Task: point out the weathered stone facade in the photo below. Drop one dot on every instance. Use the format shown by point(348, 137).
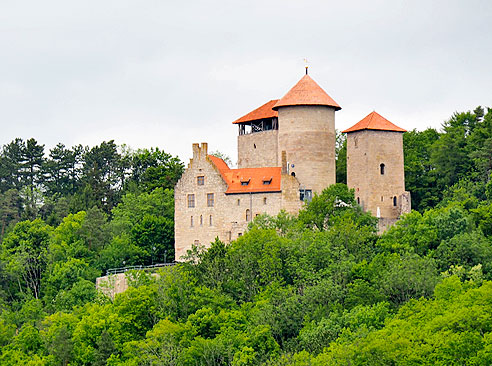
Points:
point(228, 216)
point(307, 135)
point(256, 150)
point(375, 170)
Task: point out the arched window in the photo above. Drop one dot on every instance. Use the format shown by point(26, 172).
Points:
point(293, 174)
point(394, 201)
point(248, 215)
point(210, 220)
point(381, 168)
point(358, 200)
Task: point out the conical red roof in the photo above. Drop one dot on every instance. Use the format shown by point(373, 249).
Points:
point(265, 111)
point(374, 121)
point(306, 92)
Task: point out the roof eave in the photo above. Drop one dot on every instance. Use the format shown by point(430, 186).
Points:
point(336, 107)
point(373, 129)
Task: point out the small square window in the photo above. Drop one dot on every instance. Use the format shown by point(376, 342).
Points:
point(200, 180)
point(306, 195)
point(210, 200)
point(191, 200)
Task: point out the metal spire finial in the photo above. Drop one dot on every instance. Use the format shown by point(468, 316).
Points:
point(306, 65)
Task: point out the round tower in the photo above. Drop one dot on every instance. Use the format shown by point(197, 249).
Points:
point(375, 168)
point(306, 132)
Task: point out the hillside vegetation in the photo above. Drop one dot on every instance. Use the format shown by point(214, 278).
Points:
point(321, 288)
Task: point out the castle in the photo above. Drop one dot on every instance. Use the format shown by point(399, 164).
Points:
point(286, 153)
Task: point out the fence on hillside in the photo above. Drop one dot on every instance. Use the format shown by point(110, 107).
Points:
point(113, 271)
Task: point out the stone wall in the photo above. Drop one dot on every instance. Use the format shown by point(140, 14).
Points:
point(307, 134)
point(257, 149)
point(112, 284)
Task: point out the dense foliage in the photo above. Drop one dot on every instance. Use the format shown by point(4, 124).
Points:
point(320, 288)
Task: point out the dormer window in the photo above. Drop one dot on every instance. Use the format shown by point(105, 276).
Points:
point(267, 181)
point(245, 182)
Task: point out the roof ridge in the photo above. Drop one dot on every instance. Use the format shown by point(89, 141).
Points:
point(306, 92)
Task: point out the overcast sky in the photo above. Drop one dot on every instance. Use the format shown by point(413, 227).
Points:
point(169, 73)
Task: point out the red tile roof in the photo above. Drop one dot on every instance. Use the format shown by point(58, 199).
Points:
point(306, 92)
point(254, 176)
point(374, 121)
point(265, 111)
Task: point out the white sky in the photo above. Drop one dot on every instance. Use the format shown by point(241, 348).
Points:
point(167, 74)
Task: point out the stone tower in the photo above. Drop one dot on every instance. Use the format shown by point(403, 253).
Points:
point(375, 168)
point(306, 132)
point(299, 127)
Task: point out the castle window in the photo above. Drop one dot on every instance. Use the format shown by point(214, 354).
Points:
point(254, 145)
point(239, 202)
point(264, 200)
point(358, 200)
point(293, 174)
point(200, 180)
point(248, 215)
point(305, 195)
point(239, 234)
point(201, 220)
point(197, 242)
point(191, 221)
point(210, 220)
point(356, 140)
point(381, 169)
point(191, 200)
point(210, 200)
point(382, 198)
point(394, 201)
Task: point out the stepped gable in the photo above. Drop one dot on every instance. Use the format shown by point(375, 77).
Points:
point(306, 92)
point(248, 180)
point(263, 112)
point(374, 121)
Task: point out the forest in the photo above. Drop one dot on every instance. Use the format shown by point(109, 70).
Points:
point(319, 288)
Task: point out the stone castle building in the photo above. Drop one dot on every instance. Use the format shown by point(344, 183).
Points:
point(286, 153)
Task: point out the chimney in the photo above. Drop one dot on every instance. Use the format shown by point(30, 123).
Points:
point(284, 162)
point(196, 151)
point(204, 149)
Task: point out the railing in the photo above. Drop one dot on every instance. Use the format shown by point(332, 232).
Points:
point(112, 271)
